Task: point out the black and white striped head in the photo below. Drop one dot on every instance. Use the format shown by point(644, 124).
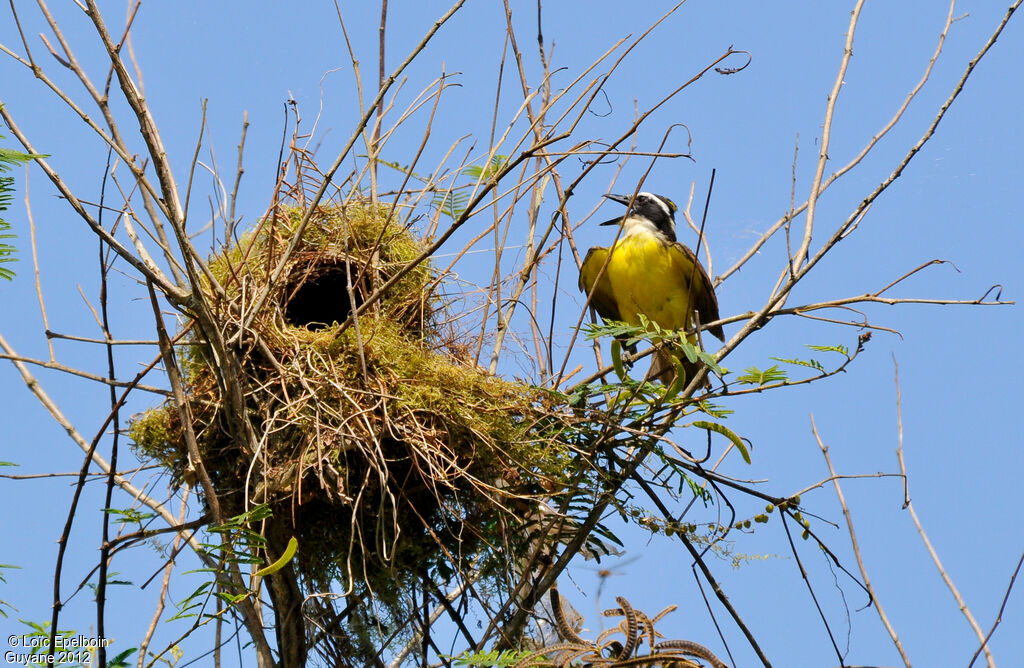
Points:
point(650, 213)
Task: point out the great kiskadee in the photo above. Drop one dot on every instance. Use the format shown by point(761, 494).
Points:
point(648, 272)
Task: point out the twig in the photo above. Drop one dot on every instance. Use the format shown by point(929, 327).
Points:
point(432, 617)
point(197, 467)
point(311, 208)
point(148, 637)
point(34, 386)
point(148, 269)
point(8, 354)
point(794, 211)
point(856, 548)
point(229, 227)
point(147, 125)
point(920, 529)
point(999, 615)
point(698, 561)
point(810, 588)
point(115, 411)
point(374, 147)
point(826, 136)
point(35, 264)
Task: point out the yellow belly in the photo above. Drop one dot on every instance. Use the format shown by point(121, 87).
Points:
point(647, 279)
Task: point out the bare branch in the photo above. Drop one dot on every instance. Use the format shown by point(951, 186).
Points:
point(920, 529)
point(856, 548)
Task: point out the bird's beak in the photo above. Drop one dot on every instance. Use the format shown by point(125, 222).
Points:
point(621, 199)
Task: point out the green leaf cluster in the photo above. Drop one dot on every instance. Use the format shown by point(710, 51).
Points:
point(9, 158)
point(451, 201)
point(628, 336)
point(776, 375)
point(493, 658)
point(238, 545)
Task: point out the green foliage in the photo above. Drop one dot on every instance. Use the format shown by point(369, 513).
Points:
point(629, 335)
point(3, 603)
point(482, 173)
point(809, 363)
point(842, 350)
point(6, 250)
point(813, 363)
point(493, 658)
point(239, 545)
point(289, 553)
point(775, 375)
point(9, 158)
point(754, 376)
point(129, 515)
point(620, 369)
point(728, 433)
point(2, 567)
point(121, 660)
point(111, 581)
point(451, 201)
point(714, 410)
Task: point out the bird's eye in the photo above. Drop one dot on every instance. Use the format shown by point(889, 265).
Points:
point(642, 198)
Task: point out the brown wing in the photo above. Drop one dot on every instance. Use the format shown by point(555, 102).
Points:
point(701, 287)
point(601, 297)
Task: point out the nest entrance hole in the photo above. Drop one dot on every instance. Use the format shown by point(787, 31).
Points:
point(317, 293)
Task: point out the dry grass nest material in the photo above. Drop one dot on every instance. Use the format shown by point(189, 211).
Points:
point(379, 445)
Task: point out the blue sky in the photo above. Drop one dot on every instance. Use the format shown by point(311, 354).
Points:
point(958, 201)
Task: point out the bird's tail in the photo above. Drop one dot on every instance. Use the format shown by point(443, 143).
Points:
point(664, 361)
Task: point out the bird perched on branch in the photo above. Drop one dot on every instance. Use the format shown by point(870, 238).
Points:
point(647, 272)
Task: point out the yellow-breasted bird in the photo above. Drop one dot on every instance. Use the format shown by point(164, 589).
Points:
point(651, 273)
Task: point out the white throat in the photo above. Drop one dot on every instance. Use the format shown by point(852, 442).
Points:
point(639, 226)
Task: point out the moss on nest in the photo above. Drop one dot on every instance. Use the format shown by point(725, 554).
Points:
point(383, 449)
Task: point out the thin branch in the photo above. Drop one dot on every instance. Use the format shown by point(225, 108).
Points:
point(115, 411)
point(311, 208)
point(147, 125)
point(810, 587)
point(999, 615)
point(55, 412)
point(144, 267)
point(35, 264)
point(920, 529)
point(698, 561)
point(148, 637)
point(8, 354)
point(795, 211)
point(197, 468)
point(856, 548)
point(826, 136)
point(231, 222)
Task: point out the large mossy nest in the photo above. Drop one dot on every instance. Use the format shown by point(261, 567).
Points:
point(384, 451)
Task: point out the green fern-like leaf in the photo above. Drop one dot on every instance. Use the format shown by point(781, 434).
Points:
point(480, 172)
point(842, 350)
point(6, 250)
point(493, 658)
point(755, 376)
point(451, 203)
point(9, 158)
point(714, 410)
point(811, 363)
point(121, 660)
